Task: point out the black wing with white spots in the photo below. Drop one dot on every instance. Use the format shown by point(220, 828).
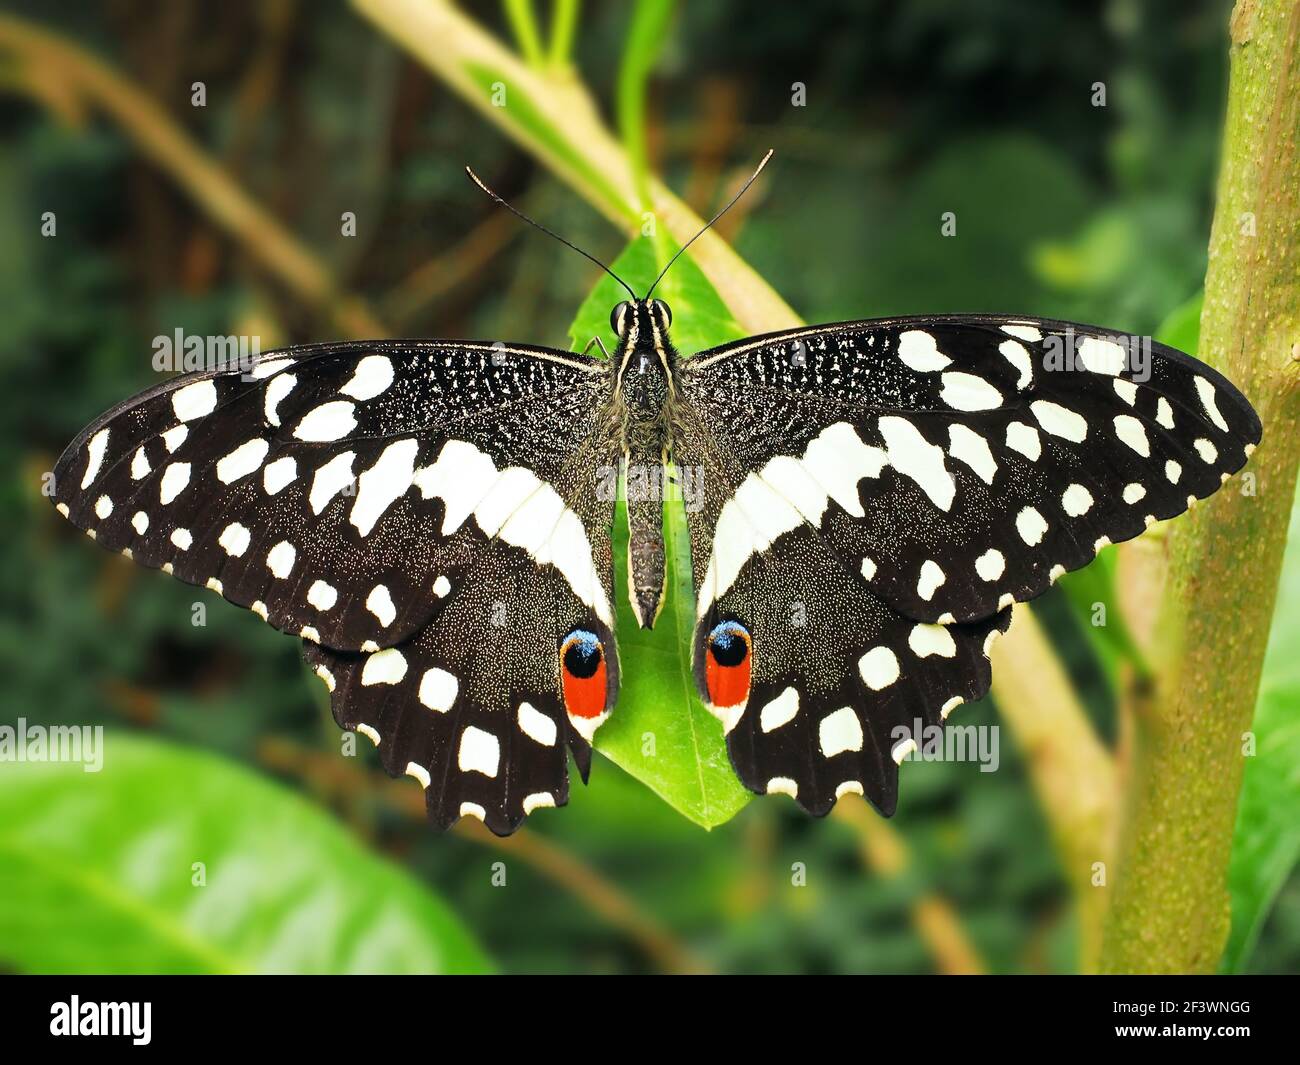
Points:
point(949, 467)
point(361, 496)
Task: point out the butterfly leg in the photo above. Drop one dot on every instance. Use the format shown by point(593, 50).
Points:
point(599, 343)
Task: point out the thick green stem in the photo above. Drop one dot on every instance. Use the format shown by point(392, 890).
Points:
point(1170, 912)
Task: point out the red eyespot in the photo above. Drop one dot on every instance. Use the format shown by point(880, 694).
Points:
point(727, 664)
point(582, 674)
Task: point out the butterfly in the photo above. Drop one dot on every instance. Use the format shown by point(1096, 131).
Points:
point(433, 519)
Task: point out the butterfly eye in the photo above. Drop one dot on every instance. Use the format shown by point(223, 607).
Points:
point(618, 316)
point(727, 667)
point(665, 312)
point(582, 674)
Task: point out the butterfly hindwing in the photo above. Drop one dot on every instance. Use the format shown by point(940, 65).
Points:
point(469, 705)
point(840, 680)
point(383, 499)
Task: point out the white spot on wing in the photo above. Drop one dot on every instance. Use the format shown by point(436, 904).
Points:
point(139, 464)
point(174, 479)
point(380, 603)
point(879, 668)
point(1015, 353)
point(1133, 433)
point(1076, 500)
point(1059, 421)
point(536, 725)
point(915, 457)
point(990, 565)
point(931, 578)
point(275, 392)
point(838, 732)
point(780, 711)
point(1023, 332)
point(480, 752)
point(94, 457)
point(966, 445)
point(321, 595)
point(1101, 356)
point(372, 376)
point(194, 401)
point(103, 507)
point(182, 538)
point(242, 461)
point(927, 640)
point(330, 480)
point(383, 484)
point(1025, 439)
point(1134, 493)
point(278, 474)
point(537, 800)
point(438, 689)
point(140, 522)
point(280, 559)
point(384, 667)
point(234, 538)
point(1209, 400)
point(175, 437)
point(330, 421)
point(1031, 526)
point(967, 392)
point(917, 350)
point(1164, 413)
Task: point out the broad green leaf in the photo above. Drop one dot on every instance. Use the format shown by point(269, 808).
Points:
point(1091, 588)
point(659, 731)
point(97, 871)
point(1181, 329)
point(1266, 842)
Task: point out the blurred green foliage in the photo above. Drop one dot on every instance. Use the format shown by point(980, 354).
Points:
point(1062, 209)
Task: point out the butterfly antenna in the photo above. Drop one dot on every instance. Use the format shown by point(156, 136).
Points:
point(549, 232)
point(710, 222)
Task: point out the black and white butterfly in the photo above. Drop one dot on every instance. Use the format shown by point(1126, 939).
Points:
point(432, 519)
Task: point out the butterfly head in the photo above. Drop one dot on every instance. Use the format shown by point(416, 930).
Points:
point(645, 316)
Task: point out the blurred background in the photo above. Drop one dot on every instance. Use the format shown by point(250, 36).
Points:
point(1063, 209)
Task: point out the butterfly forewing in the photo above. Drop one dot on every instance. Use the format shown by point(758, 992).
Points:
point(422, 511)
point(948, 467)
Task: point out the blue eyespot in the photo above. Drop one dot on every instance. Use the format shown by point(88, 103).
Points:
point(729, 643)
point(581, 652)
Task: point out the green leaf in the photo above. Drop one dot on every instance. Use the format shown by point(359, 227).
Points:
point(96, 875)
point(660, 731)
point(1266, 842)
point(1113, 642)
point(1182, 328)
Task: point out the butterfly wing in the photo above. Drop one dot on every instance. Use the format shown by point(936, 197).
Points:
point(361, 495)
point(937, 471)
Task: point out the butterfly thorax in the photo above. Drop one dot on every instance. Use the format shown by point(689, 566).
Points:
point(642, 400)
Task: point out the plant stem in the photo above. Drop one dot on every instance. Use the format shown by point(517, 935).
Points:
point(644, 39)
point(523, 23)
point(1170, 907)
point(564, 24)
